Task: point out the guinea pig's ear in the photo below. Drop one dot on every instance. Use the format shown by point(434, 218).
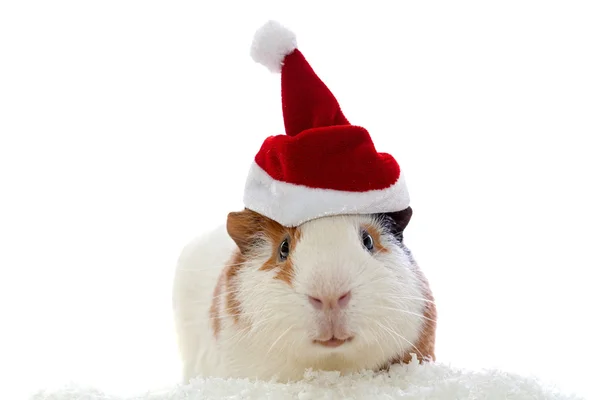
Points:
point(401, 220)
point(243, 227)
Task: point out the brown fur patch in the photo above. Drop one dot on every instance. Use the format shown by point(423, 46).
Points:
point(246, 228)
point(232, 303)
point(277, 234)
point(215, 305)
point(425, 345)
point(376, 235)
point(426, 342)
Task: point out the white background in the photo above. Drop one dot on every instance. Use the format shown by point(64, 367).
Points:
point(127, 127)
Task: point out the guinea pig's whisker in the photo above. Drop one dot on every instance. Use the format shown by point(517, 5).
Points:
point(242, 332)
point(363, 265)
point(378, 341)
point(386, 278)
point(280, 336)
point(394, 337)
point(414, 298)
point(370, 282)
point(395, 300)
point(392, 331)
point(400, 297)
point(406, 312)
point(214, 297)
point(261, 322)
point(247, 331)
point(293, 344)
point(375, 336)
point(387, 323)
point(236, 315)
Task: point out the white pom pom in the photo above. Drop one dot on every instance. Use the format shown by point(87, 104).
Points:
point(272, 42)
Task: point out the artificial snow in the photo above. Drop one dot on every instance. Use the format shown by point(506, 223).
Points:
point(410, 381)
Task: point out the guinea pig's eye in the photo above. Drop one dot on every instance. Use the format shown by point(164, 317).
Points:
point(367, 240)
point(284, 250)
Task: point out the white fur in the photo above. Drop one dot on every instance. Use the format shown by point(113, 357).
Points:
point(292, 205)
point(272, 42)
point(274, 339)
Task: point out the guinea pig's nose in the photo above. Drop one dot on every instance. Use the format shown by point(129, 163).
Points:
point(330, 302)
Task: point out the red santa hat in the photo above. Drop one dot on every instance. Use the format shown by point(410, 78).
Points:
point(323, 165)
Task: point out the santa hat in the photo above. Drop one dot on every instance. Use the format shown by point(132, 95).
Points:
point(323, 165)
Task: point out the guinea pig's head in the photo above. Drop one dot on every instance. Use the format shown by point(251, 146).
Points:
point(339, 292)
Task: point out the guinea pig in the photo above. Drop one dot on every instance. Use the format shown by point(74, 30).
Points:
point(254, 299)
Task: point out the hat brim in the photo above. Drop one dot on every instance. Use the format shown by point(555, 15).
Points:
point(292, 205)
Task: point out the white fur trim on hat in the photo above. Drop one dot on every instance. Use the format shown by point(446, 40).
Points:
point(272, 42)
point(292, 205)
